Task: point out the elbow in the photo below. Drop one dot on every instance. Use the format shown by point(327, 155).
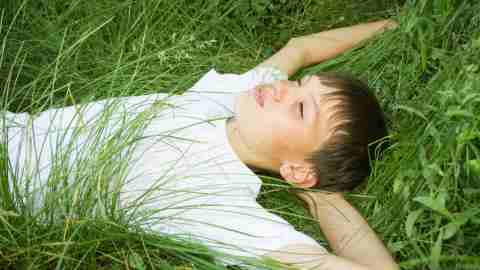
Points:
point(293, 42)
point(298, 47)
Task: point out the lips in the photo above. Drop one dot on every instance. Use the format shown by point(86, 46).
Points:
point(258, 95)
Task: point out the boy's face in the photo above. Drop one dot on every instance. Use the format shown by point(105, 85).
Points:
point(285, 120)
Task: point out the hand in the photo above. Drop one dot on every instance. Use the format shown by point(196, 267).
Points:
point(391, 24)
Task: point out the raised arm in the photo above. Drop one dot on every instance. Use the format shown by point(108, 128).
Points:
point(311, 49)
point(355, 244)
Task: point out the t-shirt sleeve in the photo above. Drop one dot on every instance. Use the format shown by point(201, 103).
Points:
point(239, 227)
point(215, 92)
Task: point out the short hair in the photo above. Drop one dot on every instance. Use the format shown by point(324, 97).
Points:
point(356, 127)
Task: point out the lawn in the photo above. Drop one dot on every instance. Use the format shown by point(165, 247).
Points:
point(422, 198)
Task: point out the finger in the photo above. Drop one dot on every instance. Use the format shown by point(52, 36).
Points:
point(307, 197)
point(303, 195)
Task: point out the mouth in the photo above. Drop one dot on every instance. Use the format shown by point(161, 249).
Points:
point(257, 94)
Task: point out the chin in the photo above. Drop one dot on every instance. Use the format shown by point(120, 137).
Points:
point(266, 172)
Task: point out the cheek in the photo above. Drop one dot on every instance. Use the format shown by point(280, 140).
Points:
point(261, 130)
point(289, 136)
point(265, 128)
point(282, 125)
point(280, 131)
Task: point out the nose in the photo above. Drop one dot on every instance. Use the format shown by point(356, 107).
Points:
point(280, 91)
point(278, 95)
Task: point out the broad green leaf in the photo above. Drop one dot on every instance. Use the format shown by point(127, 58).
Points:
point(462, 218)
point(474, 166)
point(411, 219)
point(450, 230)
point(437, 251)
point(475, 220)
point(434, 167)
point(457, 221)
point(437, 204)
point(398, 184)
point(467, 135)
point(135, 261)
point(442, 199)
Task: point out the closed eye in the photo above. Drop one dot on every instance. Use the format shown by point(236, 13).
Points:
point(300, 108)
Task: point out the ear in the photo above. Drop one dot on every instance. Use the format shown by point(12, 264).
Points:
point(298, 174)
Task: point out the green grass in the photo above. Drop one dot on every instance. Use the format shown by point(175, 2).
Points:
point(423, 197)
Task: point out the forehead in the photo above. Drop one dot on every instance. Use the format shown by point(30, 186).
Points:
point(329, 103)
point(320, 85)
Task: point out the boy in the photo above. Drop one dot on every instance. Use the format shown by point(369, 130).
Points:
point(188, 172)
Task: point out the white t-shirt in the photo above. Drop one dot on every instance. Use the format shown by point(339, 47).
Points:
point(183, 173)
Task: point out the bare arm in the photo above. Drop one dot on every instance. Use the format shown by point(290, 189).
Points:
point(306, 257)
point(311, 49)
point(355, 244)
point(347, 232)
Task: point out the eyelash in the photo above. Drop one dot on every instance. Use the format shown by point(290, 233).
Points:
point(300, 104)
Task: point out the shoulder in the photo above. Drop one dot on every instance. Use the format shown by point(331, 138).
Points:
point(221, 81)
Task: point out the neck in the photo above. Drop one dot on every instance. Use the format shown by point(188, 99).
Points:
point(243, 151)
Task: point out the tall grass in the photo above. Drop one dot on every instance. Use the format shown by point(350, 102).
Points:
point(422, 197)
